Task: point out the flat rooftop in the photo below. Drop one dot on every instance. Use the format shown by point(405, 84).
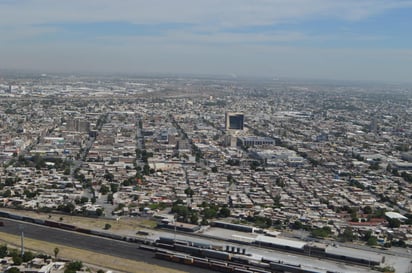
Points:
point(280, 241)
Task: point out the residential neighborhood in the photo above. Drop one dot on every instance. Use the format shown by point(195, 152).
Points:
point(323, 160)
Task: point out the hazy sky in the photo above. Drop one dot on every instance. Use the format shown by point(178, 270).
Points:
point(331, 39)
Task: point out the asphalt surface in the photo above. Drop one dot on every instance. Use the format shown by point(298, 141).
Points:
point(96, 244)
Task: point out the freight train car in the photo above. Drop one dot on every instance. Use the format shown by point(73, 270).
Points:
point(195, 251)
point(201, 262)
point(215, 254)
point(353, 259)
point(290, 268)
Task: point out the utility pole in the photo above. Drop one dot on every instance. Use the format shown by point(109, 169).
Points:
point(174, 222)
point(22, 239)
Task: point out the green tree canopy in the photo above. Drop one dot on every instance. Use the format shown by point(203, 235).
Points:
point(372, 241)
point(3, 251)
point(28, 256)
point(13, 270)
point(224, 212)
point(73, 267)
point(347, 235)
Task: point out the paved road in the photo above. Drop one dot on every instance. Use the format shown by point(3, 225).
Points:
point(92, 243)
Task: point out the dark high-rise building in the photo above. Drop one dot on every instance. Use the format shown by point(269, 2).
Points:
point(77, 124)
point(234, 121)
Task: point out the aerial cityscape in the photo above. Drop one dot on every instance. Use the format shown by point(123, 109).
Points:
point(263, 136)
point(303, 161)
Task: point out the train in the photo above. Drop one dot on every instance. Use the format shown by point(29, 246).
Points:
point(197, 249)
point(227, 266)
point(185, 252)
point(213, 264)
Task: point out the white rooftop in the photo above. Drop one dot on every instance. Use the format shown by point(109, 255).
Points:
point(395, 215)
point(280, 241)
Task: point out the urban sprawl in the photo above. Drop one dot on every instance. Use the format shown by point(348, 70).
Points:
point(311, 160)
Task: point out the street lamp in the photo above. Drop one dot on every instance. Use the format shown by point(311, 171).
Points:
point(174, 223)
point(21, 227)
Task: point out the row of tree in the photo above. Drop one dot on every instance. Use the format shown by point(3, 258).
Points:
point(206, 212)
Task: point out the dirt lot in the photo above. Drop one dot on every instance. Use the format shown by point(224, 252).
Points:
point(123, 225)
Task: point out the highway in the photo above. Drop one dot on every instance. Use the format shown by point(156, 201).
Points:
point(91, 243)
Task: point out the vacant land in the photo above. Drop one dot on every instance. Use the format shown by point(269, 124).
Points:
point(122, 225)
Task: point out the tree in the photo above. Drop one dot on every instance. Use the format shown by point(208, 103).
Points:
point(114, 187)
point(394, 223)
point(69, 207)
point(254, 165)
point(3, 251)
point(56, 252)
point(354, 217)
point(17, 260)
point(347, 235)
point(110, 198)
point(38, 162)
point(7, 193)
point(13, 270)
point(146, 169)
point(181, 211)
point(28, 256)
point(379, 213)
point(194, 219)
point(372, 241)
point(81, 177)
point(259, 221)
point(107, 226)
point(73, 267)
point(230, 179)
point(297, 225)
point(9, 181)
point(99, 212)
point(126, 183)
point(367, 210)
point(104, 189)
point(276, 201)
point(409, 216)
point(204, 222)
point(395, 172)
point(322, 232)
point(233, 162)
point(30, 193)
point(209, 213)
point(189, 192)
point(108, 176)
point(374, 166)
point(407, 176)
point(399, 243)
point(224, 212)
point(280, 182)
point(367, 235)
point(66, 171)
